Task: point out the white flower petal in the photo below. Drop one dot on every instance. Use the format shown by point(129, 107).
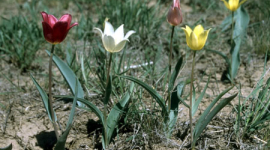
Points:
point(119, 34)
point(108, 29)
point(120, 46)
point(100, 32)
point(129, 34)
point(108, 43)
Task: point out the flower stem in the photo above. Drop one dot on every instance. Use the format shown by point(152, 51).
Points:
point(105, 103)
point(231, 47)
point(170, 70)
point(190, 102)
point(50, 95)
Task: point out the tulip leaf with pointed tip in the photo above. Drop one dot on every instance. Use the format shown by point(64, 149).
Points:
point(152, 91)
point(60, 145)
point(116, 112)
point(69, 76)
point(175, 73)
point(175, 99)
point(208, 115)
point(9, 147)
point(198, 101)
point(44, 97)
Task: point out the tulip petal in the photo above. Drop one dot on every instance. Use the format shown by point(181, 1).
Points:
point(198, 30)
point(193, 41)
point(120, 46)
point(119, 34)
point(66, 18)
point(108, 30)
point(242, 2)
point(44, 16)
point(129, 33)
point(74, 24)
point(108, 43)
point(100, 31)
point(187, 32)
point(47, 32)
point(226, 4)
point(202, 38)
point(52, 20)
point(60, 31)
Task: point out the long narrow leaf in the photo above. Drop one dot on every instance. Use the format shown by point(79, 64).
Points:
point(44, 98)
point(207, 110)
point(175, 73)
point(174, 106)
point(153, 92)
point(116, 112)
point(69, 76)
point(198, 101)
point(60, 145)
point(212, 114)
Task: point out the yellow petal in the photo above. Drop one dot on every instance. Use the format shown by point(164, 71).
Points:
point(226, 4)
point(187, 32)
point(242, 2)
point(202, 39)
point(198, 30)
point(193, 41)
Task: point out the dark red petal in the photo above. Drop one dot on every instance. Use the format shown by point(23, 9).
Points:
point(60, 31)
point(174, 16)
point(74, 24)
point(47, 32)
point(44, 16)
point(66, 18)
point(52, 20)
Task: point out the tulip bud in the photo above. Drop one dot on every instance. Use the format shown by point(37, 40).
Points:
point(174, 16)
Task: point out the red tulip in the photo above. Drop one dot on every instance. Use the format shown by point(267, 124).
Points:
point(55, 31)
point(174, 16)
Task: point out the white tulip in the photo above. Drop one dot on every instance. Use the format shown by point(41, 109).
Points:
point(114, 41)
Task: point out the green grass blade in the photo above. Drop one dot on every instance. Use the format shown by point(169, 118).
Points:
point(152, 91)
point(198, 101)
point(117, 111)
point(7, 148)
point(69, 76)
point(211, 115)
point(175, 99)
point(175, 73)
point(44, 97)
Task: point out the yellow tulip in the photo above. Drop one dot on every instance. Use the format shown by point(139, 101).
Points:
point(233, 5)
point(196, 39)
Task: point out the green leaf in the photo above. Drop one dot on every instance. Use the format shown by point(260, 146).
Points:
point(44, 97)
point(69, 76)
point(198, 101)
point(7, 148)
point(152, 91)
point(60, 145)
point(207, 110)
point(210, 116)
point(175, 73)
point(116, 112)
point(241, 24)
point(175, 99)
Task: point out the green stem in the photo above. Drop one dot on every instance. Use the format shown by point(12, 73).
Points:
point(50, 95)
point(190, 102)
point(170, 70)
point(232, 46)
point(105, 103)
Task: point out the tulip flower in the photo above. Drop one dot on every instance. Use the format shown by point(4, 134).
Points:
point(196, 39)
point(55, 31)
point(114, 41)
point(233, 5)
point(174, 16)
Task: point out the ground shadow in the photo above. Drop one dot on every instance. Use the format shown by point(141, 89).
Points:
point(46, 140)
